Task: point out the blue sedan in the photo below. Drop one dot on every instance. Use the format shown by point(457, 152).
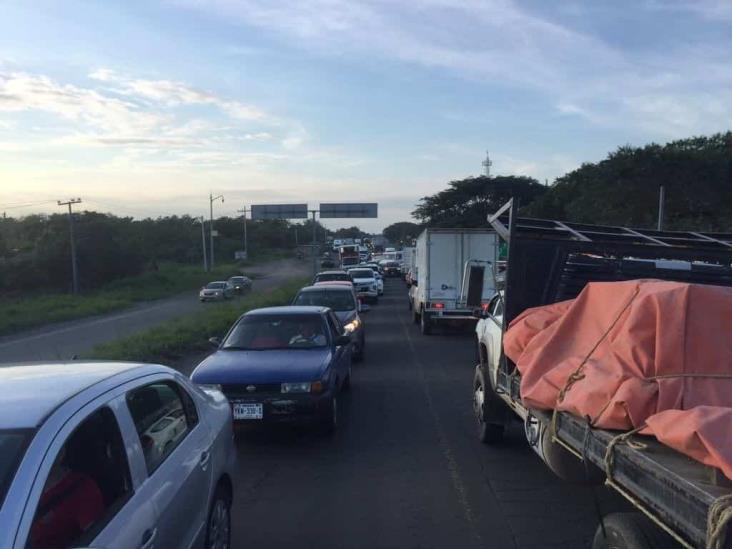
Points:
point(282, 364)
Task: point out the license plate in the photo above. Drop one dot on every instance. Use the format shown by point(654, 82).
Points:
point(247, 411)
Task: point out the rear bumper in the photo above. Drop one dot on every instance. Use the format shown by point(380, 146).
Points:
point(450, 314)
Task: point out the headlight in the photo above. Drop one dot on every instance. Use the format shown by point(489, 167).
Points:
point(353, 325)
point(295, 387)
point(210, 386)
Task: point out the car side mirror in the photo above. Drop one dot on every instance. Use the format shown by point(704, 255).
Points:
point(480, 313)
point(214, 341)
point(342, 340)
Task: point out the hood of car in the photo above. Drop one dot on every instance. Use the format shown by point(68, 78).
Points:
point(278, 366)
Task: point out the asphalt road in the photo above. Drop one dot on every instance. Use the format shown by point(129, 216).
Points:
point(405, 468)
point(64, 340)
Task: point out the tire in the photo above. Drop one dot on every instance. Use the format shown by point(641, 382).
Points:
point(218, 524)
point(415, 315)
point(409, 303)
point(425, 324)
point(329, 419)
point(630, 531)
point(488, 433)
point(358, 357)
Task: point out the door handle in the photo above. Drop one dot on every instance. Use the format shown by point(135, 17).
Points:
point(148, 538)
point(205, 458)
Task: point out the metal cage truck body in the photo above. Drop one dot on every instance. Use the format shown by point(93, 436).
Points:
point(680, 501)
point(454, 277)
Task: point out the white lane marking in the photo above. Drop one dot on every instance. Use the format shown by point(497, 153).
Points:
point(452, 465)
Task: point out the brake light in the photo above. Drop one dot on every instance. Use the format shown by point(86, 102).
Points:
point(439, 305)
point(485, 306)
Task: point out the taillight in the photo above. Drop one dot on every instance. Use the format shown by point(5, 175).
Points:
point(439, 305)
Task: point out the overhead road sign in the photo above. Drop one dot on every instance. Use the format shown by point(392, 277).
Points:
point(279, 211)
point(334, 211)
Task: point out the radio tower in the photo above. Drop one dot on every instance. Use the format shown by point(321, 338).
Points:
point(487, 164)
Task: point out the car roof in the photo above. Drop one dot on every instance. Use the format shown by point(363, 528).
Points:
point(341, 286)
point(334, 283)
point(289, 310)
point(217, 282)
point(338, 271)
point(32, 391)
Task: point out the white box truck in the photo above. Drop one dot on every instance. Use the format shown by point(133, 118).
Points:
point(454, 275)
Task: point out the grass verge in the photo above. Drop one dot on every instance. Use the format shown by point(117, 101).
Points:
point(170, 279)
point(189, 333)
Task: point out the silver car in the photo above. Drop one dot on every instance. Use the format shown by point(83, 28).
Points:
point(216, 291)
point(112, 455)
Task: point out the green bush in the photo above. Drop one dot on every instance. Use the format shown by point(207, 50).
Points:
point(190, 333)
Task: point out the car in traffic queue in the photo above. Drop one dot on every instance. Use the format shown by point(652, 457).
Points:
point(240, 284)
point(329, 276)
point(216, 291)
point(391, 268)
point(377, 274)
point(281, 364)
point(365, 284)
point(113, 455)
point(343, 301)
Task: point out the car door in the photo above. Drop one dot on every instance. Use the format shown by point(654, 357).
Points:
point(84, 494)
point(176, 450)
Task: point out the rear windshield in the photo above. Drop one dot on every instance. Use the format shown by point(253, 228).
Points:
point(266, 332)
point(361, 273)
point(328, 277)
point(338, 300)
point(237, 279)
point(12, 446)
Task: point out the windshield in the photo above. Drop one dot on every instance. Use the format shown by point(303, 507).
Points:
point(336, 300)
point(260, 332)
point(215, 285)
point(362, 273)
point(329, 277)
point(12, 446)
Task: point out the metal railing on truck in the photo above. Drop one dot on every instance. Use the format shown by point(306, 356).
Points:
point(550, 261)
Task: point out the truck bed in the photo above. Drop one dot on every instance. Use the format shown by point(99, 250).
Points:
point(672, 487)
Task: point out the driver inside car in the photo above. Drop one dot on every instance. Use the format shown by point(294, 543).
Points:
point(308, 335)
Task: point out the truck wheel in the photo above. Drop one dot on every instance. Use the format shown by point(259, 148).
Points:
point(488, 433)
point(630, 531)
point(425, 323)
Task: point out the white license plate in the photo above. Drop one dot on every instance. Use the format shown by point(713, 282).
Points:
point(247, 411)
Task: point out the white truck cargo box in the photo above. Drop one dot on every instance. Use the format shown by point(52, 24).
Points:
point(454, 274)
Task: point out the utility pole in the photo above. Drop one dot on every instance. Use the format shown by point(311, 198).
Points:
point(211, 200)
point(487, 164)
point(661, 205)
point(244, 214)
point(74, 269)
point(315, 240)
point(202, 221)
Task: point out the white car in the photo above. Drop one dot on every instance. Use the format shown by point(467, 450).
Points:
point(365, 284)
point(113, 455)
point(379, 278)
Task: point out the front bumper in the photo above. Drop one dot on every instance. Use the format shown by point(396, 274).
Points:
point(284, 408)
point(211, 297)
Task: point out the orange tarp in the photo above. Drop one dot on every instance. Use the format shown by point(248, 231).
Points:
point(623, 352)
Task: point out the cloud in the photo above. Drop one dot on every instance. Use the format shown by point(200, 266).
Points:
point(503, 44)
point(172, 94)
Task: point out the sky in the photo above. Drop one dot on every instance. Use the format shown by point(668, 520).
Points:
point(142, 108)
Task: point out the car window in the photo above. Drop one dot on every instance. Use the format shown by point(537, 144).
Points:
point(88, 483)
point(162, 419)
point(338, 300)
point(12, 446)
point(268, 332)
point(498, 312)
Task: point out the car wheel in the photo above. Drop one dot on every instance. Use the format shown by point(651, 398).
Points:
point(488, 433)
point(329, 420)
point(218, 528)
point(425, 323)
